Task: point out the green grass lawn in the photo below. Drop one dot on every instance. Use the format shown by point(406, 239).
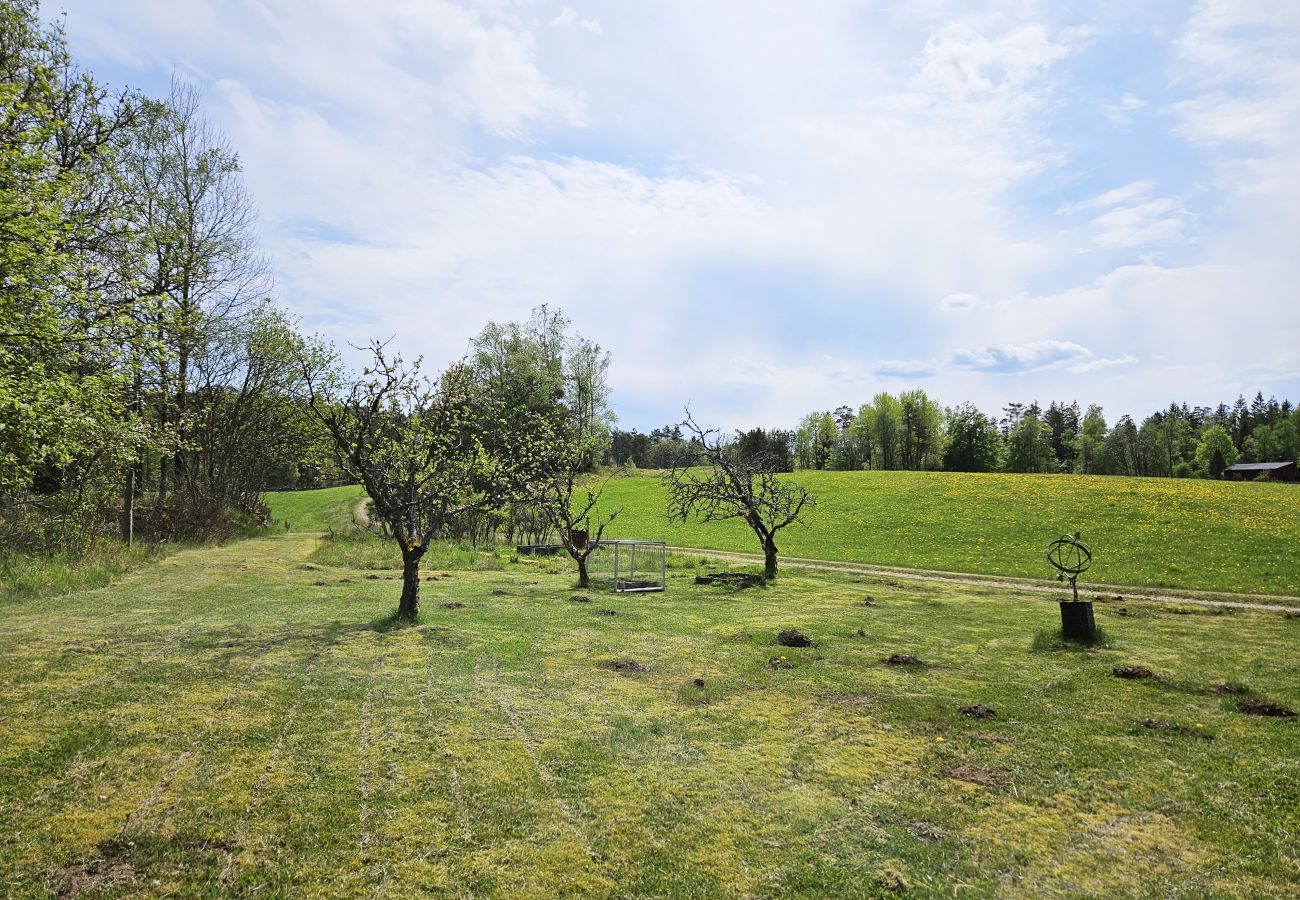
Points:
point(315, 510)
point(1157, 532)
point(246, 720)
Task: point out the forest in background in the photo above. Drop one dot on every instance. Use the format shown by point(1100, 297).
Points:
point(912, 431)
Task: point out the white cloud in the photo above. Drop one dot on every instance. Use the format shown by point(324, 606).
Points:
point(805, 188)
point(1159, 221)
point(1113, 197)
point(1027, 357)
point(569, 19)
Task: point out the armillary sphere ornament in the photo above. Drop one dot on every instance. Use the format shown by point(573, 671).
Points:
point(1071, 557)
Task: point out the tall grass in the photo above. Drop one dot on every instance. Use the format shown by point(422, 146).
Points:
point(27, 576)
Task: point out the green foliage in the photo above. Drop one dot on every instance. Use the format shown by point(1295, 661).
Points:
point(1215, 452)
point(972, 441)
point(1029, 447)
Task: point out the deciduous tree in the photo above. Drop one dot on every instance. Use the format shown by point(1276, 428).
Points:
point(732, 486)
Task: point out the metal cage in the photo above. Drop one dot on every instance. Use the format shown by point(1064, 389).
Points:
point(630, 566)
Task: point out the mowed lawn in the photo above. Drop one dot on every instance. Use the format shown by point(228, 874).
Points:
point(246, 721)
point(1157, 532)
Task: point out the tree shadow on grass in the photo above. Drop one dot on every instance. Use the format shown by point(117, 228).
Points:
point(1050, 639)
point(394, 621)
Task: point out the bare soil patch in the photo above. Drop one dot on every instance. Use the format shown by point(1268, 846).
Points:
point(975, 775)
point(1132, 672)
point(579, 598)
point(623, 665)
point(978, 711)
point(779, 662)
point(1264, 708)
point(903, 659)
point(455, 604)
point(931, 834)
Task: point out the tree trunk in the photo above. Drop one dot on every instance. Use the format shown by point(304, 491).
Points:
point(769, 559)
point(128, 506)
point(409, 606)
point(584, 580)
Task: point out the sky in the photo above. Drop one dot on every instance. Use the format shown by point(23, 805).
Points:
point(764, 209)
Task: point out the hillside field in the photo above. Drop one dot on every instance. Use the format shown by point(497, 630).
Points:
point(1157, 532)
point(247, 720)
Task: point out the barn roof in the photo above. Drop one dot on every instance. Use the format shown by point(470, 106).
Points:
point(1259, 467)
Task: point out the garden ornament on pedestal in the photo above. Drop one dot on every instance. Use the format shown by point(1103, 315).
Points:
point(1071, 557)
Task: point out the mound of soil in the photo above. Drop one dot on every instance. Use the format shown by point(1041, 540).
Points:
point(1156, 724)
point(978, 711)
point(431, 578)
point(372, 577)
point(779, 662)
point(1123, 611)
point(623, 665)
point(862, 632)
point(500, 593)
point(455, 604)
point(1132, 672)
point(1264, 708)
point(1229, 687)
point(793, 637)
point(739, 579)
point(578, 598)
point(319, 583)
point(903, 659)
point(606, 612)
point(869, 601)
point(697, 682)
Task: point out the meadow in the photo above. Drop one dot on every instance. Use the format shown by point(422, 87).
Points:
point(249, 720)
point(1153, 532)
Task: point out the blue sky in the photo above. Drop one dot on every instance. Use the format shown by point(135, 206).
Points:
point(765, 209)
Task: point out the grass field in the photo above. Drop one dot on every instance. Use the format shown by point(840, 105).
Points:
point(1157, 532)
point(243, 720)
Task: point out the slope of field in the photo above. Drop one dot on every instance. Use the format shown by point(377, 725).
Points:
point(241, 721)
point(1158, 532)
point(315, 510)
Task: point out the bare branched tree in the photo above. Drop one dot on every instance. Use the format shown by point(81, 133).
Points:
point(572, 509)
point(715, 483)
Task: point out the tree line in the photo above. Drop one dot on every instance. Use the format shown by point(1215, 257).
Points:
point(912, 431)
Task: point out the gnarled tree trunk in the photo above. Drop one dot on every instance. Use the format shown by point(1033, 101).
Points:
point(409, 606)
point(769, 558)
